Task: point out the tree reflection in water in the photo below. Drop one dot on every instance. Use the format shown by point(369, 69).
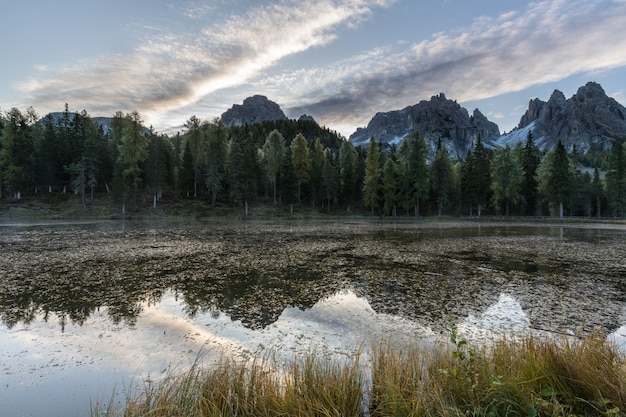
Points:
point(563, 277)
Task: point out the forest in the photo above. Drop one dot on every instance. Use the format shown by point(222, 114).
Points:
point(294, 164)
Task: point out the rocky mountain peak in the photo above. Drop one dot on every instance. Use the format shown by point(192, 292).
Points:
point(306, 117)
point(254, 109)
point(589, 120)
point(437, 118)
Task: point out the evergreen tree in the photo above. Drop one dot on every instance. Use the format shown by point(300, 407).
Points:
point(197, 145)
point(441, 178)
point(318, 159)
point(616, 180)
point(330, 174)
point(417, 170)
point(405, 191)
point(391, 187)
point(301, 162)
point(242, 170)
point(348, 172)
point(530, 162)
point(274, 151)
point(216, 159)
point(559, 178)
point(84, 169)
point(186, 175)
point(47, 155)
point(159, 165)
point(597, 192)
point(16, 152)
point(371, 183)
point(581, 198)
point(132, 154)
point(506, 178)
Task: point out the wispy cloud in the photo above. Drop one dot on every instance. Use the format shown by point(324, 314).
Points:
point(549, 41)
point(176, 74)
point(172, 71)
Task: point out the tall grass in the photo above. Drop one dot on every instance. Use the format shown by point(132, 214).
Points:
point(532, 377)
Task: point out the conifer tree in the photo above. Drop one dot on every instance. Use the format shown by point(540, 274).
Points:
point(371, 182)
point(196, 139)
point(348, 171)
point(506, 178)
point(215, 159)
point(417, 174)
point(318, 159)
point(301, 162)
point(274, 152)
point(132, 154)
point(242, 170)
point(559, 177)
point(391, 187)
point(530, 162)
point(616, 180)
point(330, 174)
point(441, 177)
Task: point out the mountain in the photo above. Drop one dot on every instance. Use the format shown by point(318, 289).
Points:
point(589, 120)
point(254, 109)
point(437, 118)
point(104, 122)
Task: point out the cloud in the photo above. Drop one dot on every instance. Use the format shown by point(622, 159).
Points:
point(619, 96)
point(548, 41)
point(171, 76)
point(170, 71)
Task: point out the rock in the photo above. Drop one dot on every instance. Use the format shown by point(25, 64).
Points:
point(254, 109)
point(307, 118)
point(589, 120)
point(438, 118)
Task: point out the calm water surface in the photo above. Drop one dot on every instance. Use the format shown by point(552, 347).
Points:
point(86, 308)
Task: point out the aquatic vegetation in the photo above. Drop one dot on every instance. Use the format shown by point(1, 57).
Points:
point(532, 377)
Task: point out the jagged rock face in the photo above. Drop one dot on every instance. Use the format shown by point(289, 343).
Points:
point(590, 120)
point(255, 109)
point(438, 118)
point(306, 117)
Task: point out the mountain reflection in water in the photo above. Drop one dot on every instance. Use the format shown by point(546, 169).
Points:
point(98, 304)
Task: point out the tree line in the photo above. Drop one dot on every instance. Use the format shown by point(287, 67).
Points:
point(289, 163)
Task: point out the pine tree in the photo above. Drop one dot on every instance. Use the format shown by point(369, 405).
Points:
point(330, 174)
point(598, 192)
point(506, 178)
point(348, 172)
point(559, 177)
point(616, 180)
point(417, 174)
point(215, 159)
point(371, 183)
point(301, 162)
point(441, 178)
point(274, 152)
point(391, 187)
point(242, 170)
point(316, 182)
point(196, 140)
point(16, 152)
point(530, 162)
point(132, 154)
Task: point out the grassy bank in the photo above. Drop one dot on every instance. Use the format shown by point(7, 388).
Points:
point(533, 377)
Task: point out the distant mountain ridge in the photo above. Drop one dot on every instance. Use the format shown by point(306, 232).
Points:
point(590, 120)
point(255, 109)
point(437, 118)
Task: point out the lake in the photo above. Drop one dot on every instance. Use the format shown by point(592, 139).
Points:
point(89, 309)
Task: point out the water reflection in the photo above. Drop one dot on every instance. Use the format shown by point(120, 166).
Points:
point(564, 277)
point(84, 306)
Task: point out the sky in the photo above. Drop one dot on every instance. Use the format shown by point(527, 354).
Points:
point(340, 61)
